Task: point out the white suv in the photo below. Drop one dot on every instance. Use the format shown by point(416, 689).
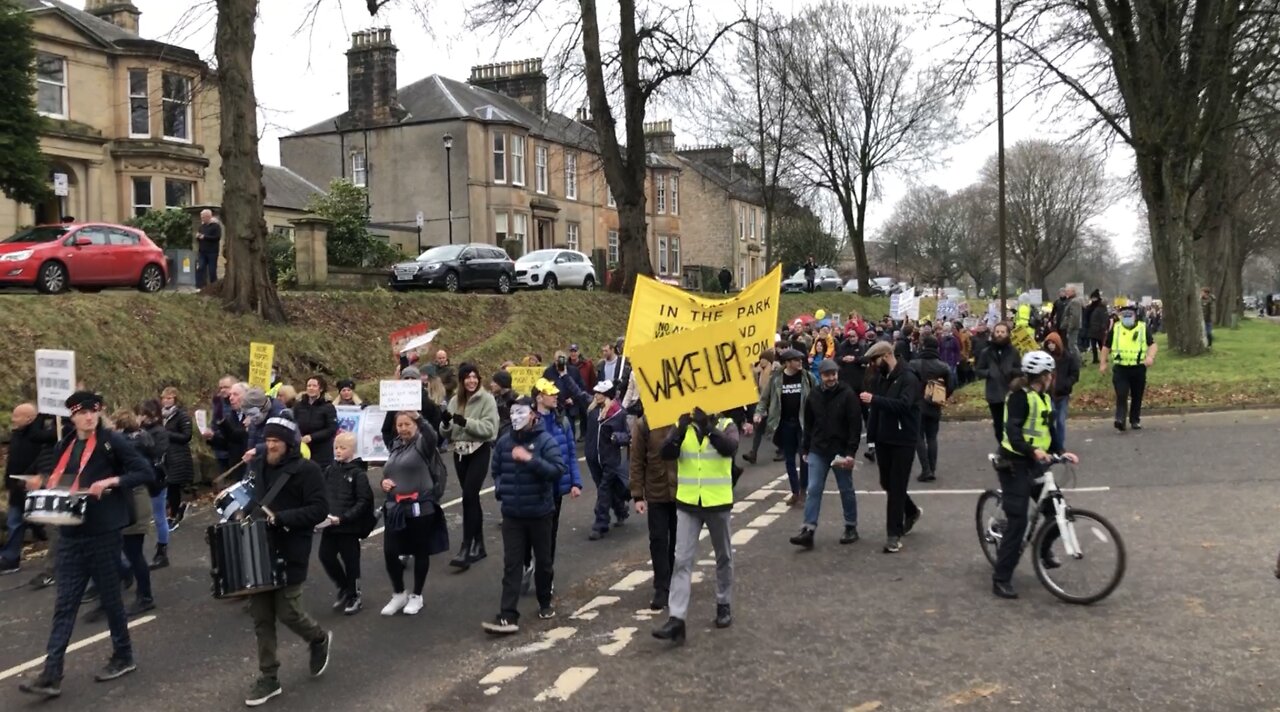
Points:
point(552, 269)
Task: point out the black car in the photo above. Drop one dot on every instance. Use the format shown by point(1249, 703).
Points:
point(457, 268)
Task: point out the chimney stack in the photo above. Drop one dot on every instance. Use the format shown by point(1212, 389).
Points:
point(372, 96)
point(659, 137)
point(121, 13)
point(522, 80)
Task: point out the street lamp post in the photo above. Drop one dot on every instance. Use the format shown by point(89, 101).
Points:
point(448, 179)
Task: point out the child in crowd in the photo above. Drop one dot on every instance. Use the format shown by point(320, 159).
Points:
point(350, 514)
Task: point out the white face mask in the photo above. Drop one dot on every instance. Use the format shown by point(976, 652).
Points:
point(520, 417)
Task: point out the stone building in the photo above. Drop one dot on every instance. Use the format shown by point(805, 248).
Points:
point(287, 196)
point(728, 227)
point(517, 174)
point(130, 123)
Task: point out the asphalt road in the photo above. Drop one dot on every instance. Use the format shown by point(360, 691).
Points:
point(836, 628)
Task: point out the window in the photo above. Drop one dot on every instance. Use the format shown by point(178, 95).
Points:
point(359, 169)
point(608, 197)
point(751, 228)
point(500, 227)
point(284, 231)
point(517, 160)
point(139, 112)
point(177, 106)
point(178, 193)
point(499, 158)
point(571, 175)
point(661, 182)
point(662, 255)
point(673, 249)
point(520, 230)
point(96, 235)
point(51, 85)
point(121, 237)
point(571, 233)
point(540, 169)
point(742, 276)
point(742, 222)
point(613, 247)
point(141, 196)
point(675, 195)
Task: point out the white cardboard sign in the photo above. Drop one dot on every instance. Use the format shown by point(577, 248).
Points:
point(400, 395)
point(55, 380)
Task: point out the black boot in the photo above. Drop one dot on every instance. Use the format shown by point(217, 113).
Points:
point(161, 559)
point(672, 630)
point(460, 561)
point(724, 617)
point(476, 553)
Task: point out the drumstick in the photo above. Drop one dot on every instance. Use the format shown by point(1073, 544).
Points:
point(224, 475)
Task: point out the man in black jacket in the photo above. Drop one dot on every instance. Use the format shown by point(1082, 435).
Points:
point(104, 465)
point(31, 435)
point(832, 429)
point(298, 506)
point(928, 367)
point(895, 421)
point(998, 366)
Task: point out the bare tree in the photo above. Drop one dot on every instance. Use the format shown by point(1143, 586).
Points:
point(978, 252)
point(655, 44)
point(927, 229)
point(865, 107)
point(1053, 191)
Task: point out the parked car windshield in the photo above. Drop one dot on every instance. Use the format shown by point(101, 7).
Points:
point(48, 233)
point(443, 253)
point(540, 256)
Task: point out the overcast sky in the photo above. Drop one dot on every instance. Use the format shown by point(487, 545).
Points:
point(301, 80)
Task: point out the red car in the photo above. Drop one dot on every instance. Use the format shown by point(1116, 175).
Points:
point(52, 258)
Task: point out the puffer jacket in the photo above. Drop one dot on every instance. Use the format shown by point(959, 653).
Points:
point(557, 427)
point(653, 479)
point(927, 367)
point(346, 486)
point(180, 468)
point(526, 489)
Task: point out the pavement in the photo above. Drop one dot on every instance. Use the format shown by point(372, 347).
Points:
point(836, 628)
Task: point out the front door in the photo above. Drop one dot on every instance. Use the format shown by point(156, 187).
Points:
point(545, 235)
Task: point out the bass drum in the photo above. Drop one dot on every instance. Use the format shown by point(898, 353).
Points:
point(243, 559)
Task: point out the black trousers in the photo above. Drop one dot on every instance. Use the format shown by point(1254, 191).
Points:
point(79, 560)
point(927, 445)
point(173, 500)
point(662, 544)
point(518, 535)
point(138, 564)
point(997, 421)
point(1018, 489)
point(340, 557)
point(895, 463)
point(1130, 381)
point(472, 469)
point(414, 540)
point(555, 533)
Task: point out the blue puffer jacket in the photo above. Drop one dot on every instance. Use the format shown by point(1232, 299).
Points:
point(558, 427)
point(526, 489)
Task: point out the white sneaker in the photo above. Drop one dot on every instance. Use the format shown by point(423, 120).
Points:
point(414, 605)
point(396, 604)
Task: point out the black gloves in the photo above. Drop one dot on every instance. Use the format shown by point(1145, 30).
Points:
point(684, 421)
point(459, 420)
point(700, 419)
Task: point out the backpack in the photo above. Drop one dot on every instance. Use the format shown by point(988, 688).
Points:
point(370, 519)
point(935, 392)
point(435, 465)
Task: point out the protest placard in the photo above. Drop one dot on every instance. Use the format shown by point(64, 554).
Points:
point(55, 380)
point(261, 356)
point(523, 378)
point(400, 337)
point(1146, 301)
point(202, 421)
point(702, 367)
point(895, 304)
point(400, 395)
point(370, 446)
point(1036, 297)
point(1024, 340)
point(970, 322)
point(348, 418)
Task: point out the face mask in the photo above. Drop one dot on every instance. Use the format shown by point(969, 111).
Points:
point(1128, 321)
point(520, 417)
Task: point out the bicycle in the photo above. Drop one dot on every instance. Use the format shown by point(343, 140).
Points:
point(1063, 569)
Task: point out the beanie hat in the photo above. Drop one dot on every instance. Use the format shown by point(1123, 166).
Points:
point(502, 379)
point(410, 372)
point(281, 429)
point(346, 383)
point(255, 398)
point(465, 370)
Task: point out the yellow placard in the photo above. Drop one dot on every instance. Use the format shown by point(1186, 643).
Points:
point(1121, 301)
point(1024, 339)
point(659, 310)
point(523, 378)
point(261, 356)
point(702, 367)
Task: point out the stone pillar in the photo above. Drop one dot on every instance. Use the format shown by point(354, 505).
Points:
point(310, 247)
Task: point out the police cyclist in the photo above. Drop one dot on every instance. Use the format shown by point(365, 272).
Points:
point(1028, 434)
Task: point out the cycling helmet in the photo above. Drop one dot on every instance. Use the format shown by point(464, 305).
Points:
point(1037, 362)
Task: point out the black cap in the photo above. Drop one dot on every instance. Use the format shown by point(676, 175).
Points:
point(84, 400)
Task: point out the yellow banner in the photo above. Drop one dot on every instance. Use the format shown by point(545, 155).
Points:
point(659, 310)
point(523, 378)
point(701, 367)
point(261, 356)
point(1023, 339)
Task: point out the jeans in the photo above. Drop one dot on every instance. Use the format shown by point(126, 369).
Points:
point(284, 605)
point(12, 551)
point(789, 438)
point(662, 544)
point(613, 492)
point(519, 534)
point(472, 469)
point(927, 445)
point(206, 267)
point(1129, 380)
point(895, 463)
point(1060, 407)
point(138, 564)
point(688, 527)
point(819, 465)
point(1018, 489)
point(997, 421)
point(1208, 332)
point(159, 507)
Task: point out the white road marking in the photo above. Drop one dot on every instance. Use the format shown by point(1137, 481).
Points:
point(696, 577)
point(740, 506)
point(621, 639)
point(779, 508)
point(502, 673)
point(742, 536)
point(569, 682)
point(763, 520)
point(644, 614)
point(491, 691)
point(915, 492)
point(631, 581)
point(450, 503)
point(549, 640)
point(706, 562)
point(589, 612)
point(19, 669)
point(759, 495)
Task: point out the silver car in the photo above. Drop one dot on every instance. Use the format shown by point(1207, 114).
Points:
point(553, 269)
point(826, 280)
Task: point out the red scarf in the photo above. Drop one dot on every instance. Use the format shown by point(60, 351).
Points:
point(90, 443)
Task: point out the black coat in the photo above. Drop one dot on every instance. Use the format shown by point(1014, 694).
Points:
point(231, 437)
point(346, 485)
point(28, 448)
point(895, 408)
point(1098, 320)
point(319, 420)
point(113, 456)
point(927, 367)
point(1066, 374)
point(832, 421)
point(299, 507)
point(902, 349)
point(854, 372)
point(179, 467)
point(998, 366)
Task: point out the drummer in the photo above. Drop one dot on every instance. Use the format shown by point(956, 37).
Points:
point(104, 464)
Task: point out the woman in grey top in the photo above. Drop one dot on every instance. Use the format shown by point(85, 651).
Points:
point(413, 513)
point(471, 426)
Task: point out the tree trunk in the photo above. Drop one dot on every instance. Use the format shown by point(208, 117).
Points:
point(633, 249)
point(1164, 190)
point(857, 236)
point(247, 286)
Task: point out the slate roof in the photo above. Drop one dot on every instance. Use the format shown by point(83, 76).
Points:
point(286, 189)
point(109, 35)
point(733, 178)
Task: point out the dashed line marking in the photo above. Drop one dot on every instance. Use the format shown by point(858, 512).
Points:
point(696, 577)
point(502, 673)
point(645, 614)
point(549, 640)
point(763, 520)
point(631, 581)
point(759, 495)
point(706, 562)
point(19, 669)
point(589, 611)
point(742, 506)
point(569, 682)
point(621, 639)
point(742, 536)
point(779, 508)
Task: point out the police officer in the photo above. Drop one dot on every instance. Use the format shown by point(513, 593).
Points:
point(1135, 351)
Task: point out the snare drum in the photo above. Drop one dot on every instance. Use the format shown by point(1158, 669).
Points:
point(55, 506)
point(244, 560)
point(233, 500)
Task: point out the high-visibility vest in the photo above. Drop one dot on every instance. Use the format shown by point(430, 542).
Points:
point(1035, 429)
point(1024, 315)
point(704, 476)
point(1129, 346)
point(274, 391)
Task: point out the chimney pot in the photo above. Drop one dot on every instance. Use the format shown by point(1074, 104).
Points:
point(522, 80)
